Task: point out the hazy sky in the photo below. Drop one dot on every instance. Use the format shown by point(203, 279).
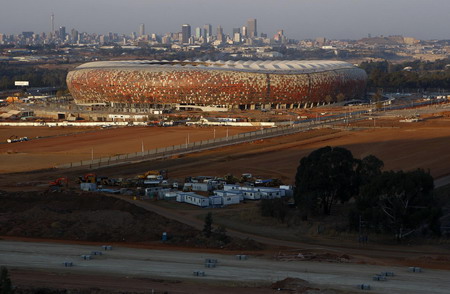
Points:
point(333, 19)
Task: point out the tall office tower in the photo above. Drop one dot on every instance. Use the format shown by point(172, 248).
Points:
point(62, 33)
point(52, 19)
point(251, 26)
point(185, 33)
point(220, 35)
point(198, 32)
point(244, 32)
point(141, 30)
point(236, 30)
point(237, 38)
point(74, 35)
point(2, 39)
point(133, 36)
point(207, 30)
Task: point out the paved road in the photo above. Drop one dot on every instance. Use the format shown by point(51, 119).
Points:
point(181, 265)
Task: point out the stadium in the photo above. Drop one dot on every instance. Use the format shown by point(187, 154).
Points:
point(230, 84)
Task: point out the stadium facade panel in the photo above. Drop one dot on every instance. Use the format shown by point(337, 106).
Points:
point(216, 83)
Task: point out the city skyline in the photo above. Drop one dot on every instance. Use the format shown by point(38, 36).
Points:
point(345, 19)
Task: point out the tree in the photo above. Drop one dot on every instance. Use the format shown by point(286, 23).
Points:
point(5, 281)
point(207, 228)
point(325, 177)
point(368, 168)
point(400, 203)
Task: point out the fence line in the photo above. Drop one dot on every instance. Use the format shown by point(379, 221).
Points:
point(165, 152)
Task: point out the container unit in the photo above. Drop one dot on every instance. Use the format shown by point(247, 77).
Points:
point(252, 195)
point(215, 201)
point(204, 187)
point(192, 198)
point(231, 199)
point(230, 187)
point(236, 195)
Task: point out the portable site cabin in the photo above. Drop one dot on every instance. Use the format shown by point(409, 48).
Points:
point(198, 187)
point(288, 191)
point(252, 195)
point(170, 195)
point(193, 198)
point(270, 194)
point(234, 194)
point(229, 187)
point(215, 201)
point(267, 192)
point(231, 199)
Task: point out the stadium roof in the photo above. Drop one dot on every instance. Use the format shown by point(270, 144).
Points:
point(278, 66)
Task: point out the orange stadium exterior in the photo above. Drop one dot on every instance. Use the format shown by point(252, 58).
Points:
point(224, 84)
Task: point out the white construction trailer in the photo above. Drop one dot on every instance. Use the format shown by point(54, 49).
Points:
point(192, 198)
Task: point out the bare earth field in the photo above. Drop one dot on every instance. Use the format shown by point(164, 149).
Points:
point(70, 144)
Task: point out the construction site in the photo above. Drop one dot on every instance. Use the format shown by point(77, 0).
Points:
point(63, 198)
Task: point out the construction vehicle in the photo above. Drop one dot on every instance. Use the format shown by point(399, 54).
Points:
point(154, 175)
point(58, 184)
point(88, 178)
point(15, 139)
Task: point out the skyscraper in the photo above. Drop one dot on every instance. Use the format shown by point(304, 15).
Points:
point(244, 32)
point(74, 35)
point(220, 35)
point(251, 27)
point(198, 32)
point(185, 33)
point(52, 19)
point(62, 33)
point(141, 30)
point(207, 30)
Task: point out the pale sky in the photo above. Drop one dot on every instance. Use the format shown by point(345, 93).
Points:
point(300, 19)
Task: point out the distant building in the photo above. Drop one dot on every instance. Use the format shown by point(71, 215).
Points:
point(74, 35)
point(62, 33)
point(237, 37)
point(244, 32)
point(252, 29)
point(207, 31)
point(220, 35)
point(198, 32)
point(27, 35)
point(141, 29)
point(185, 33)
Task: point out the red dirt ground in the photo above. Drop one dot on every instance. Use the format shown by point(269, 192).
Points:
point(49, 152)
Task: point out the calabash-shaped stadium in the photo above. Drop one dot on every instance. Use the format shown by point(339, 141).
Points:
point(243, 84)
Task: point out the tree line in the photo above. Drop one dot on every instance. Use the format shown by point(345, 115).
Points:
point(399, 203)
point(38, 77)
point(396, 202)
point(419, 75)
